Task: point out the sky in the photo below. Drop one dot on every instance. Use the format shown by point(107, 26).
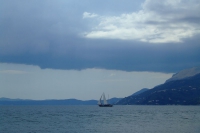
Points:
point(70, 49)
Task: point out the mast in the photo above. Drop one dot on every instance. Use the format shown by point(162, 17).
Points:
point(108, 98)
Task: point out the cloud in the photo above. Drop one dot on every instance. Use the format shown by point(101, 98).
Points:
point(157, 22)
point(89, 15)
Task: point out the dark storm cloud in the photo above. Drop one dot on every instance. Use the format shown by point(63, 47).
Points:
point(118, 56)
point(49, 34)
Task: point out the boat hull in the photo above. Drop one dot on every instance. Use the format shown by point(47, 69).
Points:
point(105, 105)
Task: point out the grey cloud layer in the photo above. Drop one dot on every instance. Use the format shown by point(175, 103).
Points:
point(50, 34)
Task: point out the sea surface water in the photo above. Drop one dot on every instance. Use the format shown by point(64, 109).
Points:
point(94, 119)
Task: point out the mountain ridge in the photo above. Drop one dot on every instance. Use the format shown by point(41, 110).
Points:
point(186, 73)
point(140, 91)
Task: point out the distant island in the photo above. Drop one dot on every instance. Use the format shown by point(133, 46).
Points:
point(8, 101)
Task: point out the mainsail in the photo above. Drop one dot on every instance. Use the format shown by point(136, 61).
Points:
point(99, 102)
point(104, 99)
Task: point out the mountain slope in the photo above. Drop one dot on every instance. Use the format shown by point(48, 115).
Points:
point(185, 74)
point(114, 100)
point(179, 92)
point(140, 91)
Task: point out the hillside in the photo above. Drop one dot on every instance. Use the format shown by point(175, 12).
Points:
point(185, 91)
point(140, 91)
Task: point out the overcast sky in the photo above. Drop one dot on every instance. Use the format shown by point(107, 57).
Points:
point(78, 49)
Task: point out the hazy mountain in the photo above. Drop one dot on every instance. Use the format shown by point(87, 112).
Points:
point(8, 101)
point(114, 100)
point(185, 74)
point(182, 91)
point(140, 91)
point(47, 102)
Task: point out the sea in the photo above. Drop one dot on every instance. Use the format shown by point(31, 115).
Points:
point(94, 119)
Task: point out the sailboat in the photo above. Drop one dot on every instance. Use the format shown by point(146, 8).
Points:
point(105, 103)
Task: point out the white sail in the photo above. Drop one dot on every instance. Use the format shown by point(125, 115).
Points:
point(99, 102)
point(104, 99)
